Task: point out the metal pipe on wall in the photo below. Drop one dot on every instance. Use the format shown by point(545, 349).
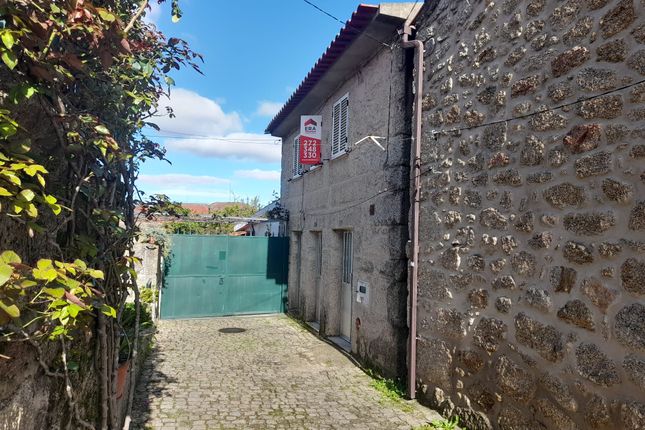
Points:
point(413, 279)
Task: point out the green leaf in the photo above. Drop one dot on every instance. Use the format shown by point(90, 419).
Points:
point(96, 274)
point(9, 59)
point(11, 310)
point(7, 39)
point(10, 257)
point(35, 168)
point(106, 16)
point(50, 199)
point(44, 263)
point(81, 264)
point(108, 310)
point(7, 129)
point(56, 209)
point(5, 273)
point(45, 275)
point(56, 293)
point(28, 284)
point(170, 81)
point(73, 366)
point(4, 192)
point(74, 309)
point(58, 331)
point(32, 211)
point(27, 195)
point(102, 130)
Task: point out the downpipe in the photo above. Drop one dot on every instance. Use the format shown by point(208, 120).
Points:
point(413, 279)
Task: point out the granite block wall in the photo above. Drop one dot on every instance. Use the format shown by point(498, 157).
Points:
point(532, 265)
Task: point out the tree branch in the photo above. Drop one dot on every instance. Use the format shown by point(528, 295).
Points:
point(136, 16)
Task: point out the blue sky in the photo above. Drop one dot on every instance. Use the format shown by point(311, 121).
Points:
point(256, 52)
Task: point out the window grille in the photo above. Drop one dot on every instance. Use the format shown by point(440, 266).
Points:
point(347, 257)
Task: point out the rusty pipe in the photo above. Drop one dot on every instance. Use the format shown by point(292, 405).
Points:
point(413, 279)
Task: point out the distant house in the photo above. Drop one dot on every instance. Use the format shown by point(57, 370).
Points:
point(348, 215)
point(197, 208)
point(261, 223)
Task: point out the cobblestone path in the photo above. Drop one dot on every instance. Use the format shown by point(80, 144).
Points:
point(274, 375)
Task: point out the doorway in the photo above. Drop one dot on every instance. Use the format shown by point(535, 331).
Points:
point(318, 274)
point(346, 287)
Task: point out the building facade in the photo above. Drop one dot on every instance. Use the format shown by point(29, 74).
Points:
point(532, 232)
point(348, 215)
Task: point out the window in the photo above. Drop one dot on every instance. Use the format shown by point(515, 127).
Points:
point(297, 166)
point(347, 257)
point(340, 126)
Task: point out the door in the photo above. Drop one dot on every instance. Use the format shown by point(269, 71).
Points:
point(346, 288)
point(318, 283)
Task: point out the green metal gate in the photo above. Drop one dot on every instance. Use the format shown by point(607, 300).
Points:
point(225, 275)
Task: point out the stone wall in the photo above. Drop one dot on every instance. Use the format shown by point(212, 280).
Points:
point(532, 265)
point(365, 192)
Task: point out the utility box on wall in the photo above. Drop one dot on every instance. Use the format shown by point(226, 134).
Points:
point(362, 295)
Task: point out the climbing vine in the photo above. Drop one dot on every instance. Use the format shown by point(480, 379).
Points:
point(80, 81)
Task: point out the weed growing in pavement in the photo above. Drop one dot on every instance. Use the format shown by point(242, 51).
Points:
point(391, 390)
point(441, 425)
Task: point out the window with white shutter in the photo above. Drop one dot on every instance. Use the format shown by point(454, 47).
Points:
point(296, 166)
point(340, 127)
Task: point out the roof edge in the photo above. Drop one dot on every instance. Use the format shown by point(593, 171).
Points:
point(353, 28)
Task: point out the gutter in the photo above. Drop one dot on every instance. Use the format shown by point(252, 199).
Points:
point(413, 279)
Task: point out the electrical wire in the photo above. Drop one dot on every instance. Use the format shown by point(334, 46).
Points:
point(528, 115)
point(347, 24)
point(429, 169)
point(411, 9)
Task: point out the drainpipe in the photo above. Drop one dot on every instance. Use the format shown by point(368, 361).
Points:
point(413, 279)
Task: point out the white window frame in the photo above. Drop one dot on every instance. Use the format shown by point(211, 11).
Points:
point(339, 141)
point(296, 166)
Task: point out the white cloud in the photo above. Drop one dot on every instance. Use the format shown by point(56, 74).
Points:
point(238, 146)
point(184, 187)
point(258, 174)
point(201, 127)
point(179, 180)
point(196, 115)
point(268, 109)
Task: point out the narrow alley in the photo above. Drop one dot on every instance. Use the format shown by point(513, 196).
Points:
point(259, 373)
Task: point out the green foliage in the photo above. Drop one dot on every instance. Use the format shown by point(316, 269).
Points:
point(236, 209)
point(64, 293)
point(452, 424)
point(196, 227)
point(128, 325)
point(161, 205)
point(392, 391)
point(157, 235)
point(86, 77)
point(149, 296)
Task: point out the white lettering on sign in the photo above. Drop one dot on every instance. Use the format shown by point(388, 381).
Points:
point(310, 139)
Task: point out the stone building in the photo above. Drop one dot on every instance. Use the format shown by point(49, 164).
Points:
point(348, 215)
point(530, 273)
point(532, 232)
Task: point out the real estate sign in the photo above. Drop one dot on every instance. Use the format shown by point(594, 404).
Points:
point(310, 137)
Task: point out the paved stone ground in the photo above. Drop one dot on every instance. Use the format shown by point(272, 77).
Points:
point(275, 375)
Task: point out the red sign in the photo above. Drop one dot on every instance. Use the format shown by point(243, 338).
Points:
point(310, 137)
point(309, 150)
